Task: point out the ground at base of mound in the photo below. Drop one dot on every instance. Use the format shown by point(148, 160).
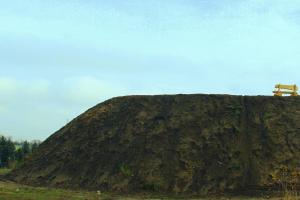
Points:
point(11, 191)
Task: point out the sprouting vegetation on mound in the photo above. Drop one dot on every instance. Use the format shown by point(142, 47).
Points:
point(183, 144)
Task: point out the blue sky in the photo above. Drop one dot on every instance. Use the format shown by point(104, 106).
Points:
point(60, 57)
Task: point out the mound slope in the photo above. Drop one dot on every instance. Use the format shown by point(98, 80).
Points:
point(171, 143)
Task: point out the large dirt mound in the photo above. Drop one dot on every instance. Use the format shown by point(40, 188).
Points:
point(171, 143)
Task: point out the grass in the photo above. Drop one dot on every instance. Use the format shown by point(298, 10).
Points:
point(13, 191)
point(10, 191)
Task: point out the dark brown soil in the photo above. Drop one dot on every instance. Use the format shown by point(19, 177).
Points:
point(172, 143)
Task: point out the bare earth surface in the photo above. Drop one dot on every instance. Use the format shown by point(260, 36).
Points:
point(177, 144)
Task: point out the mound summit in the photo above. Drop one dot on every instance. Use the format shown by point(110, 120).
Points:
point(171, 143)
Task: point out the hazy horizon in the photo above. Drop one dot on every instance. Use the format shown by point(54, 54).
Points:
point(59, 58)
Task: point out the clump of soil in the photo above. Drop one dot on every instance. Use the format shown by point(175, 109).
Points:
point(171, 143)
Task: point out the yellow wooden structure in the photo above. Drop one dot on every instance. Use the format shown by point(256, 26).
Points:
point(281, 90)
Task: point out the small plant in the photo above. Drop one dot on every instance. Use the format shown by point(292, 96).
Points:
point(125, 170)
point(153, 187)
point(4, 171)
point(287, 180)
